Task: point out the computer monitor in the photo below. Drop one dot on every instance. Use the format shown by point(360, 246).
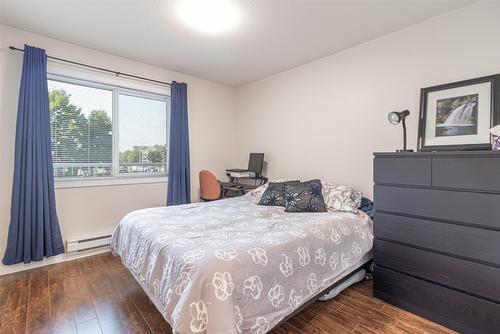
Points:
point(255, 162)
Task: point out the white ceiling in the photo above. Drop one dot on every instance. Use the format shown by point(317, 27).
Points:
point(273, 35)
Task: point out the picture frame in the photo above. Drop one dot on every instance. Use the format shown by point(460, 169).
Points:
point(458, 116)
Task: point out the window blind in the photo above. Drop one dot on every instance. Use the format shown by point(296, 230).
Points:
point(106, 131)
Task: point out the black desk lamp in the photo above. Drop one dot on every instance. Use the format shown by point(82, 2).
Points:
point(394, 118)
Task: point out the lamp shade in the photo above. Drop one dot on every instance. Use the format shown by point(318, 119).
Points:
point(397, 116)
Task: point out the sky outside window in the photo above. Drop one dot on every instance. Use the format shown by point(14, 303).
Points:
point(143, 122)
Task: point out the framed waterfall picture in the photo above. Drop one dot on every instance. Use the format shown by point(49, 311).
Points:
point(459, 115)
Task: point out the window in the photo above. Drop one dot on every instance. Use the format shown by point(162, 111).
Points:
point(101, 131)
point(143, 135)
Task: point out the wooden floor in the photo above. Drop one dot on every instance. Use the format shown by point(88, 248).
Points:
point(98, 295)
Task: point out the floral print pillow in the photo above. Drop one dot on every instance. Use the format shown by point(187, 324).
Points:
point(304, 197)
point(259, 191)
point(341, 198)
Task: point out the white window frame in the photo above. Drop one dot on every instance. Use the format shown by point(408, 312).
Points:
point(116, 178)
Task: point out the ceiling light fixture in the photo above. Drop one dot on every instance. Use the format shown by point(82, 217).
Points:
point(210, 16)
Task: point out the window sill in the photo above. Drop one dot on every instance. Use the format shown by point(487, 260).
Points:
point(106, 182)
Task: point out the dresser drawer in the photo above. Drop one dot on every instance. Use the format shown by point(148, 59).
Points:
point(468, 276)
point(468, 242)
point(407, 171)
point(473, 208)
point(467, 173)
point(459, 311)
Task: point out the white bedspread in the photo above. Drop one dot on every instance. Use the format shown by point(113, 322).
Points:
point(232, 266)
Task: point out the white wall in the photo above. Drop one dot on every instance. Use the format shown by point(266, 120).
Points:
point(324, 119)
point(91, 211)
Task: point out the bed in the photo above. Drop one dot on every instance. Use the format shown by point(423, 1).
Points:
point(232, 266)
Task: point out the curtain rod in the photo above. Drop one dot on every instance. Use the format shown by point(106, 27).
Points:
point(100, 69)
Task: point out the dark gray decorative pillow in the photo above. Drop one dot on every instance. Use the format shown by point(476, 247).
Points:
point(275, 194)
point(304, 197)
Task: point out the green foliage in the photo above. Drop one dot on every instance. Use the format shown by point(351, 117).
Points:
point(76, 138)
point(100, 137)
point(157, 154)
point(154, 154)
point(130, 156)
point(69, 128)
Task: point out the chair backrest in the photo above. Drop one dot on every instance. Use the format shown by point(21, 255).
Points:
point(209, 186)
point(255, 162)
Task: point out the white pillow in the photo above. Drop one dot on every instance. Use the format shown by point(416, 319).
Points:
point(259, 191)
point(341, 198)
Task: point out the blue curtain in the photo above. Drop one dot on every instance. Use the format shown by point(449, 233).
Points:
point(178, 153)
point(34, 230)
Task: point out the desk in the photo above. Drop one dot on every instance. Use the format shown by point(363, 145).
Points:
point(238, 188)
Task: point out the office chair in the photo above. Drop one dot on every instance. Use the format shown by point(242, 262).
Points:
point(209, 186)
point(255, 162)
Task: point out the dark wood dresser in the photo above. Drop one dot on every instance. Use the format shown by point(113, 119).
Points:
point(437, 236)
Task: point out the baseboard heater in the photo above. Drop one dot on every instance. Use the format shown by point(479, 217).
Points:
point(88, 244)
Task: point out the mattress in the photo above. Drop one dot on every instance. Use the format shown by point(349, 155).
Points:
point(232, 266)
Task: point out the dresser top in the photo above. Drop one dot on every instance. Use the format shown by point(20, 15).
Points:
point(485, 153)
